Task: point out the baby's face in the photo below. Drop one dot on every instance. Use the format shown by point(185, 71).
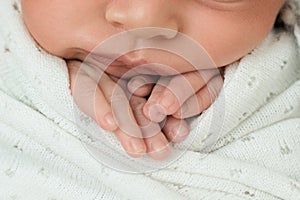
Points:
point(227, 29)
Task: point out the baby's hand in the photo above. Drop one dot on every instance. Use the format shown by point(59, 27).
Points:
point(94, 98)
point(134, 131)
point(156, 139)
point(174, 99)
point(182, 96)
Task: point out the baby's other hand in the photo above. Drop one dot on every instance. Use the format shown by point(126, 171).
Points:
point(175, 129)
point(184, 95)
point(157, 139)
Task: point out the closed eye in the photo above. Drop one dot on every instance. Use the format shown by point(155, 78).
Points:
point(225, 4)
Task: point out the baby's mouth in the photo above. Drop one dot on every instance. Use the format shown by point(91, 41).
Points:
point(105, 60)
point(126, 66)
point(118, 66)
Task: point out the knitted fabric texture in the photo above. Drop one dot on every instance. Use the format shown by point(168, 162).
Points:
point(256, 118)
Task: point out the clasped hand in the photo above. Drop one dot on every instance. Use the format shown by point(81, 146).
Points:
point(146, 112)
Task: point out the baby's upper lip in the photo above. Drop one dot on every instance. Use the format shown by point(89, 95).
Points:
point(117, 60)
point(105, 59)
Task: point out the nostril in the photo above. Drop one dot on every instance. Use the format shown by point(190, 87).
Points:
point(117, 25)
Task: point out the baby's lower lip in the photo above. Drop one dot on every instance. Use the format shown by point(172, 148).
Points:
point(147, 69)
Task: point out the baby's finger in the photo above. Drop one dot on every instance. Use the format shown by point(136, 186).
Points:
point(134, 146)
point(201, 100)
point(176, 129)
point(152, 110)
point(120, 105)
point(182, 87)
point(129, 133)
point(156, 142)
point(141, 85)
point(88, 97)
point(158, 146)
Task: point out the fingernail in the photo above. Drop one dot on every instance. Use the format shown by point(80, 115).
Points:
point(137, 147)
point(136, 83)
point(180, 133)
point(109, 120)
point(156, 113)
point(161, 150)
point(168, 102)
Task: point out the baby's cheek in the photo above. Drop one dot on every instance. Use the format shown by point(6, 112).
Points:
point(226, 50)
point(237, 42)
point(45, 27)
point(35, 27)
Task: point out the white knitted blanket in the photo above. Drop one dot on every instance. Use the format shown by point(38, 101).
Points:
point(257, 118)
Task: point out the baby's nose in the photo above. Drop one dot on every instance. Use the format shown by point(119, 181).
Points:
point(132, 14)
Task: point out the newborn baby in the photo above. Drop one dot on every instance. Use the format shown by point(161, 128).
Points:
point(227, 30)
point(250, 132)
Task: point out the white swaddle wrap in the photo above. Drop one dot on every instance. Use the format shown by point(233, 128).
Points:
point(42, 155)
